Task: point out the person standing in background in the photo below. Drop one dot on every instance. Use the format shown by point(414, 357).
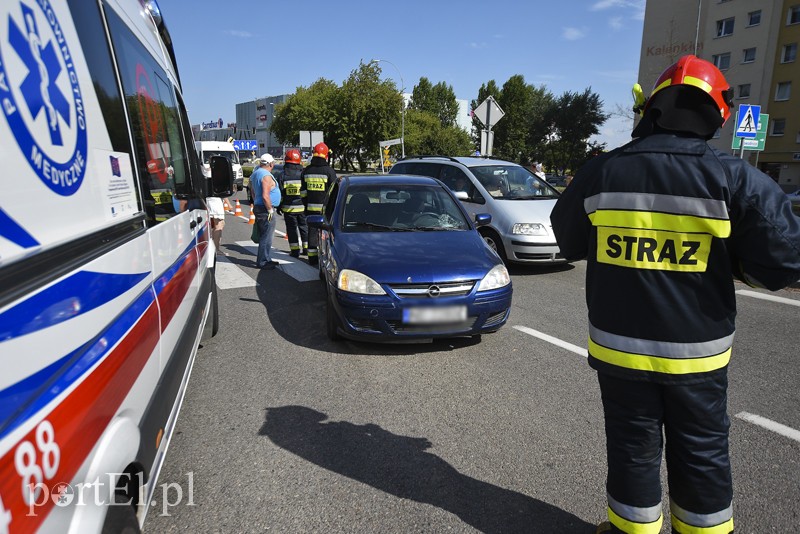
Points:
point(216, 219)
point(317, 178)
point(266, 198)
point(292, 204)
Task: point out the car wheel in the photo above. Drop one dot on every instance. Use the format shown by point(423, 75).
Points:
point(331, 321)
point(494, 242)
point(121, 518)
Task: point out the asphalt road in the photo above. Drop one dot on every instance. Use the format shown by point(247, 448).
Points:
point(284, 431)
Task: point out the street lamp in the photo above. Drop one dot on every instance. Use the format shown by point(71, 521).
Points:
point(403, 109)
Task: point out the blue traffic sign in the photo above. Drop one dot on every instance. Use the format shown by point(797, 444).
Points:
point(747, 125)
point(243, 144)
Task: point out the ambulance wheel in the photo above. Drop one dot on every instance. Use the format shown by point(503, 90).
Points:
point(331, 321)
point(121, 518)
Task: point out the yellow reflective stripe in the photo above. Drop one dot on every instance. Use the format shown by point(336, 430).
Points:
point(661, 221)
point(653, 249)
point(697, 82)
point(635, 528)
point(684, 528)
point(292, 209)
point(665, 83)
point(671, 366)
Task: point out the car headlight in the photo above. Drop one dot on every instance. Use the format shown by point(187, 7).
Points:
point(496, 278)
point(356, 282)
point(529, 229)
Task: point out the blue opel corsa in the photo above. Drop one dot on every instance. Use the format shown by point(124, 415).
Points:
point(402, 260)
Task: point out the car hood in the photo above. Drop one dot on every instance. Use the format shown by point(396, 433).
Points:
point(409, 257)
point(528, 211)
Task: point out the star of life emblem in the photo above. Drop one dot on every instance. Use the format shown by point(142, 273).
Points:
point(40, 96)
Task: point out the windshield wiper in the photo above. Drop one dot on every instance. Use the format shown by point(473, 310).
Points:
point(361, 224)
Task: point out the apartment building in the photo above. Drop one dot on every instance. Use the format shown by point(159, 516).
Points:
point(754, 43)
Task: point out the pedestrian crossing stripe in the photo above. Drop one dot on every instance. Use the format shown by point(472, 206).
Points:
point(748, 121)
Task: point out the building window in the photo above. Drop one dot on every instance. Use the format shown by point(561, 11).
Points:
point(789, 53)
point(744, 91)
point(754, 18)
point(725, 27)
point(794, 15)
point(783, 91)
point(722, 61)
point(778, 126)
point(749, 55)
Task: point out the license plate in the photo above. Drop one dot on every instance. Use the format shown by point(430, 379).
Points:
point(438, 314)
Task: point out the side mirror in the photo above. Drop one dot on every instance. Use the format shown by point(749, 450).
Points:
point(482, 219)
point(316, 221)
point(221, 176)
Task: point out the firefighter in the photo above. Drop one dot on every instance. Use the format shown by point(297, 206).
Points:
point(665, 223)
point(317, 179)
point(292, 204)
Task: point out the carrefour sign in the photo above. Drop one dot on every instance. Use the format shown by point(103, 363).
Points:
point(213, 124)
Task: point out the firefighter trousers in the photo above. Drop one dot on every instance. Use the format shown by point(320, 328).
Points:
point(296, 230)
point(695, 424)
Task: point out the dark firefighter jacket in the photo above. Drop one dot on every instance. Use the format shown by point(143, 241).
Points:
point(291, 198)
point(318, 177)
point(665, 224)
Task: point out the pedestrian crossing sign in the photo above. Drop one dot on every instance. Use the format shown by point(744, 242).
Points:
point(747, 125)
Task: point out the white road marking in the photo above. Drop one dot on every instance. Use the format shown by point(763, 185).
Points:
point(229, 275)
point(769, 424)
point(554, 340)
point(764, 296)
point(294, 267)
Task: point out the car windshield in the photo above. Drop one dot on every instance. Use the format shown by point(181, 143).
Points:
point(401, 208)
point(512, 182)
point(230, 154)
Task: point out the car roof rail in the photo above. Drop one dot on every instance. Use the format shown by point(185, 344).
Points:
point(426, 156)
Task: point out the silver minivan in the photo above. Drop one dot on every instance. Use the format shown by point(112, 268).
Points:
point(519, 202)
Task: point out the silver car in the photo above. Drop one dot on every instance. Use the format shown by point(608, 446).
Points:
point(519, 202)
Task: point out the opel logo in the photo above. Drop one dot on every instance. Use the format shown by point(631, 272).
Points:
point(434, 291)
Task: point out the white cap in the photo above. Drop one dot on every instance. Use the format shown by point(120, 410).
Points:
point(266, 158)
point(538, 167)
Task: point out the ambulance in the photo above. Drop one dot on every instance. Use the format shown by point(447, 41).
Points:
point(106, 264)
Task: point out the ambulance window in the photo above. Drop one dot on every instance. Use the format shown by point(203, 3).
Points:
point(194, 173)
point(160, 152)
point(92, 36)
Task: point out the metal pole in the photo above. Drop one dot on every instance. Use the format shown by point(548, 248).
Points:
point(697, 31)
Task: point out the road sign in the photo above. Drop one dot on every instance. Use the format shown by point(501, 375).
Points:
point(310, 138)
point(489, 112)
point(244, 144)
point(390, 142)
point(747, 121)
point(761, 135)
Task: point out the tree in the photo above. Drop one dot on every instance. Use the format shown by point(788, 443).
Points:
point(312, 108)
point(579, 117)
point(438, 100)
point(371, 111)
point(426, 135)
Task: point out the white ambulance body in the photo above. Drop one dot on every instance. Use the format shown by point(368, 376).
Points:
point(106, 267)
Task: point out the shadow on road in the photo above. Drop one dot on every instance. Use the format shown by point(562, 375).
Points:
point(401, 466)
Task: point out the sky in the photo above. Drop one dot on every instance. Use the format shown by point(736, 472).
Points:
point(236, 51)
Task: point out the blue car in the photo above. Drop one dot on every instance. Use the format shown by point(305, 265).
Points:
point(402, 260)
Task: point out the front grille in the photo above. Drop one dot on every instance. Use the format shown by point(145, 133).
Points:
point(496, 319)
point(400, 327)
point(364, 325)
point(543, 256)
point(446, 289)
